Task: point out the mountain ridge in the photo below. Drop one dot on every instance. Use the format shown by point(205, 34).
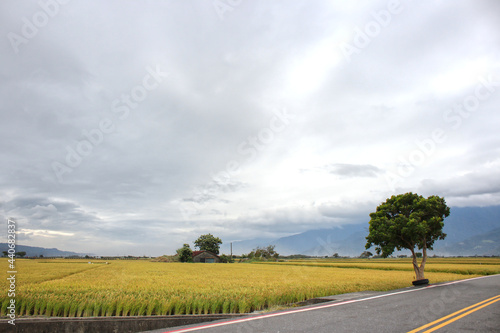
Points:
point(34, 251)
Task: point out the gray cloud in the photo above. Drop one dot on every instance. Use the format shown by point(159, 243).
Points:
point(143, 161)
point(348, 212)
point(353, 170)
point(470, 184)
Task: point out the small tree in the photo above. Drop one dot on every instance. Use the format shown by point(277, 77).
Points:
point(408, 221)
point(225, 259)
point(208, 243)
point(366, 254)
point(21, 254)
point(264, 253)
point(185, 253)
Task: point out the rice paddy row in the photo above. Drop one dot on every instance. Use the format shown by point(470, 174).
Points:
point(481, 266)
point(65, 288)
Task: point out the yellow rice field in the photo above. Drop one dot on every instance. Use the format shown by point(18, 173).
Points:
point(75, 288)
point(481, 266)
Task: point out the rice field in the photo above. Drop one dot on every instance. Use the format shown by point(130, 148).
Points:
point(481, 266)
point(75, 288)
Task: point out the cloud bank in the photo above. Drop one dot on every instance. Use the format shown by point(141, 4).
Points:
point(134, 127)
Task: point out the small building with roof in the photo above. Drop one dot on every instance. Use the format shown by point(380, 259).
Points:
point(205, 256)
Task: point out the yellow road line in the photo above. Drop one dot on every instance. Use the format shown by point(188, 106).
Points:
point(461, 316)
point(477, 306)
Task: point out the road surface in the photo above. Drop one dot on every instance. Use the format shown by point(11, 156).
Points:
point(471, 305)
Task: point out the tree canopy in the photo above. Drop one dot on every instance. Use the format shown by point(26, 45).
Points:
point(208, 242)
point(408, 221)
point(264, 253)
point(185, 253)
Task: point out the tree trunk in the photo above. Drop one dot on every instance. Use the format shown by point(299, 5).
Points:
point(419, 270)
point(424, 259)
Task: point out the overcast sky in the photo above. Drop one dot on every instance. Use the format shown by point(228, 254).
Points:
point(132, 127)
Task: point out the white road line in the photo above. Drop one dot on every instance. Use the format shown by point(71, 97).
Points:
point(270, 315)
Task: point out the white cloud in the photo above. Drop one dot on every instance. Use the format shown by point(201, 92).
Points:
point(44, 233)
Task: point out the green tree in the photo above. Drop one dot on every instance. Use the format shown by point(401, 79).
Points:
point(208, 242)
point(21, 254)
point(264, 253)
point(408, 221)
point(5, 253)
point(185, 253)
point(225, 259)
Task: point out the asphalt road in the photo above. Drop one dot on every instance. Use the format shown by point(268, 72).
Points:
point(471, 305)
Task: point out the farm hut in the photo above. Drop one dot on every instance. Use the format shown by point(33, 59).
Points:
point(205, 256)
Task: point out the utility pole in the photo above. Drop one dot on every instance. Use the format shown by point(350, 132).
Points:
point(231, 251)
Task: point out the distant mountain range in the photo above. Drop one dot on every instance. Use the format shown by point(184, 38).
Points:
point(470, 231)
point(487, 243)
point(32, 251)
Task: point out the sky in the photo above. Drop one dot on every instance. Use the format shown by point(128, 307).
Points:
point(133, 127)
